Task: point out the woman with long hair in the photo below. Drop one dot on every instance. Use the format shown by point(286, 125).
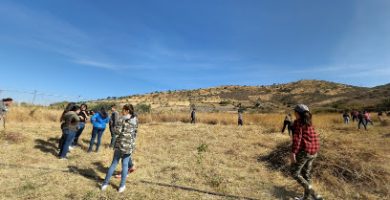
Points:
point(83, 118)
point(305, 146)
point(69, 129)
point(124, 145)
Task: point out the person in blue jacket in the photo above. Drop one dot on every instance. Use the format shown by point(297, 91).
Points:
point(99, 121)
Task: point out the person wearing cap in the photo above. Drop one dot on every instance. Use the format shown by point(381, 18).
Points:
point(305, 146)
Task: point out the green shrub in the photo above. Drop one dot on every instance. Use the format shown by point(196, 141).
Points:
point(143, 108)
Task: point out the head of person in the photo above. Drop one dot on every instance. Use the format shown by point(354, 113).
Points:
point(83, 107)
point(128, 109)
point(75, 108)
point(113, 107)
point(103, 112)
point(289, 114)
point(8, 101)
point(302, 113)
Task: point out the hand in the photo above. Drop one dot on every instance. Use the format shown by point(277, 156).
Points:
point(293, 158)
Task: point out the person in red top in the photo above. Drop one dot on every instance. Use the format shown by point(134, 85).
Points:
point(305, 145)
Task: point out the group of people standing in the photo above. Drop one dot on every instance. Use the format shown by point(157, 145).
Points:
point(123, 128)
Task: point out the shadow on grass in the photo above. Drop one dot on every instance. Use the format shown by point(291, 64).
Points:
point(196, 190)
point(99, 166)
point(49, 146)
point(386, 135)
point(282, 193)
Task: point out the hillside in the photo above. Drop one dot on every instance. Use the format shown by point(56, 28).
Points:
point(320, 95)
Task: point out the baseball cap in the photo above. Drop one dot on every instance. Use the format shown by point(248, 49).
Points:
point(300, 108)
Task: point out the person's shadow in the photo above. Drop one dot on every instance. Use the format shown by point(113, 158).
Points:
point(88, 173)
point(47, 146)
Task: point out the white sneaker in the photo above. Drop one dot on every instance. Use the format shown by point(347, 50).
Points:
point(121, 189)
point(71, 148)
point(104, 187)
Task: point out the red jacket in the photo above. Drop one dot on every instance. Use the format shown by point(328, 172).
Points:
point(305, 139)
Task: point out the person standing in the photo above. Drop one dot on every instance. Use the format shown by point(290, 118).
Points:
point(99, 121)
point(83, 118)
point(124, 146)
point(5, 103)
point(240, 119)
point(287, 123)
point(193, 116)
point(380, 116)
point(70, 127)
point(346, 117)
point(354, 115)
point(305, 147)
point(113, 120)
point(367, 117)
point(362, 120)
point(68, 107)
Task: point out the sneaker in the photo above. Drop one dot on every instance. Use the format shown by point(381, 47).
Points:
point(104, 187)
point(121, 189)
point(71, 148)
point(63, 158)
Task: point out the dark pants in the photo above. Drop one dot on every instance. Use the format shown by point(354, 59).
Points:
point(192, 120)
point(78, 133)
point(113, 137)
point(68, 139)
point(301, 172)
point(99, 133)
point(288, 125)
point(362, 121)
point(240, 122)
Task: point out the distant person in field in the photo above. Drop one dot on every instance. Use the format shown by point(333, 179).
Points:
point(380, 116)
point(4, 105)
point(99, 121)
point(354, 115)
point(83, 118)
point(68, 107)
point(287, 123)
point(362, 120)
point(305, 146)
point(113, 120)
point(240, 119)
point(346, 117)
point(193, 116)
point(70, 127)
point(367, 117)
point(124, 146)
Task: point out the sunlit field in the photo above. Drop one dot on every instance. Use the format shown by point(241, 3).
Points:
point(213, 159)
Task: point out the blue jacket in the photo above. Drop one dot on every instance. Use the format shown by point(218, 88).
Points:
point(98, 121)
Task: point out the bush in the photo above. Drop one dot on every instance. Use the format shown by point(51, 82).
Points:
point(143, 108)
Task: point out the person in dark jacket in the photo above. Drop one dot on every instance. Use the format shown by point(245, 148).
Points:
point(193, 116)
point(124, 145)
point(99, 121)
point(70, 127)
point(113, 120)
point(83, 118)
point(362, 120)
point(346, 117)
point(287, 123)
point(68, 107)
point(305, 147)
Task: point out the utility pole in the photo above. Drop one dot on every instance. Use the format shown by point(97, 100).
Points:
point(34, 97)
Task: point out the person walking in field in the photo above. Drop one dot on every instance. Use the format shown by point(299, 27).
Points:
point(113, 120)
point(287, 123)
point(305, 147)
point(70, 127)
point(99, 121)
point(240, 119)
point(83, 118)
point(346, 117)
point(380, 116)
point(362, 120)
point(124, 146)
point(367, 117)
point(354, 115)
point(193, 116)
point(4, 105)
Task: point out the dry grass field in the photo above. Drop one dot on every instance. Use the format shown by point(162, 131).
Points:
point(213, 159)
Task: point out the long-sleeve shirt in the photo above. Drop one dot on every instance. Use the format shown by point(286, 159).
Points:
point(71, 121)
point(305, 139)
point(98, 121)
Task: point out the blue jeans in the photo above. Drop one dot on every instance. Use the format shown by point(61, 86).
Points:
point(68, 136)
point(79, 132)
point(125, 162)
point(96, 132)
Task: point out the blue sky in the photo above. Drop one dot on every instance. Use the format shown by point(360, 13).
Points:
point(96, 49)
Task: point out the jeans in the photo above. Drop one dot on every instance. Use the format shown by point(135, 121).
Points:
point(113, 137)
point(68, 136)
point(96, 132)
point(125, 162)
point(79, 132)
point(362, 121)
point(346, 120)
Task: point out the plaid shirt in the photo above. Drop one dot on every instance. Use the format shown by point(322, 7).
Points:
point(305, 139)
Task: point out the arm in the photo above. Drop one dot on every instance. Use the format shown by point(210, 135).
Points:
point(297, 137)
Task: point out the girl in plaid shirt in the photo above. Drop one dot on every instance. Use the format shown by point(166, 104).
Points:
point(305, 146)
